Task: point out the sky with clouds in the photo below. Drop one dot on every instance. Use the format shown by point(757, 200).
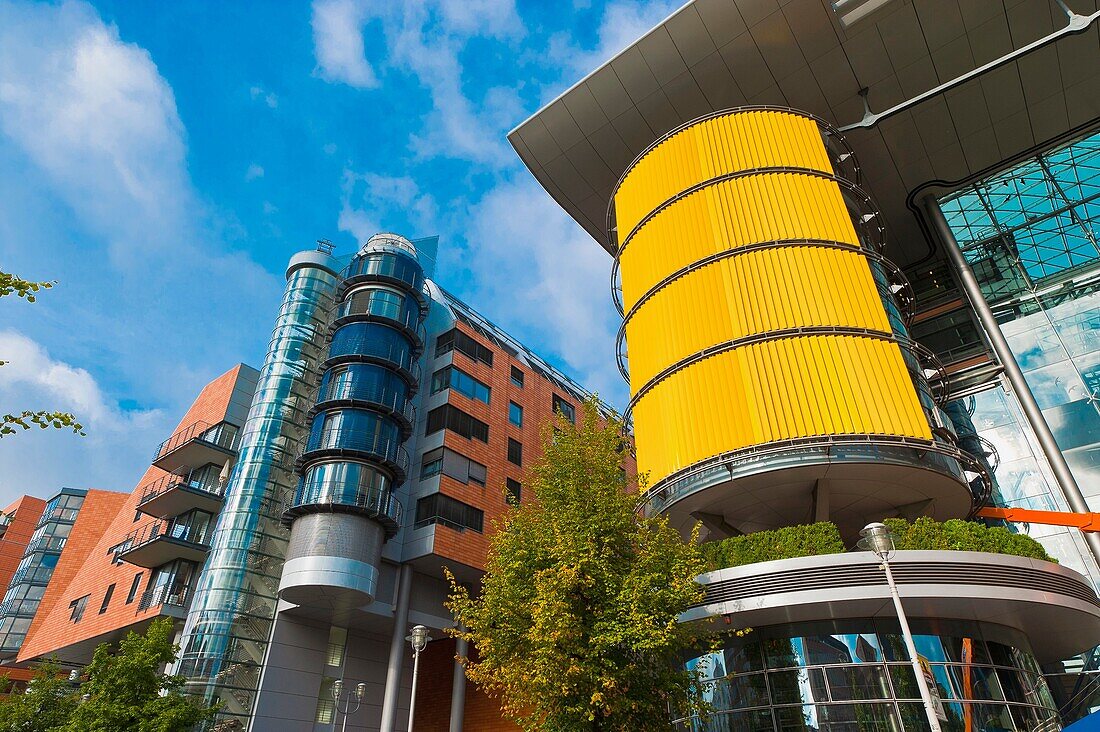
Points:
point(162, 161)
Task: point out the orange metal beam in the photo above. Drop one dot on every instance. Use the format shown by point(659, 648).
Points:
point(1084, 521)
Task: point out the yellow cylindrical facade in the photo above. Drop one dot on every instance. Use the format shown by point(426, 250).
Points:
point(752, 313)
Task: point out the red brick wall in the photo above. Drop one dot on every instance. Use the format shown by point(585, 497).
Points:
point(25, 513)
point(91, 570)
point(433, 696)
point(536, 398)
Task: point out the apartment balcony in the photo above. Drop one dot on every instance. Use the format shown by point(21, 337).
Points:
point(160, 542)
point(172, 600)
point(198, 444)
point(174, 494)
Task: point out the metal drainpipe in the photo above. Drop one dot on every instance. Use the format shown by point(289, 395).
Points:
point(392, 693)
point(1039, 425)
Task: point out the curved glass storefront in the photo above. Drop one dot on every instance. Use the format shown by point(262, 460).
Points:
point(855, 676)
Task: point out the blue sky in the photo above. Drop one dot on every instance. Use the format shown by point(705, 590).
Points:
point(162, 161)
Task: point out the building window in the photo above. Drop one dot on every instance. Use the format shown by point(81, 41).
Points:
point(560, 405)
point(452, 464)
point(515, 414)
point(514, 492)
point(117, 551)
point(326, 705)
point(457, 379)
point(76, 608)
point(134, 588)
point(337, 642)
point(515, 451)
point(456, 340)
point(440, 509)
point(107, 598)
point(517, 377)
point(454, 419)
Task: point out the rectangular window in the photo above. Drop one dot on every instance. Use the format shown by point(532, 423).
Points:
point(514, 492)
point(517, 377)
point(76, 608)
point(457, 379)
point(326, 705)
point(440, 509)
point(452, 464)
point(117, 551)
point(515, 414)
point(107, 598)
point(454, 419)
point(337, 642)
point(456, 340)
point(134, 588)
point(560, 405)
point(515, 452)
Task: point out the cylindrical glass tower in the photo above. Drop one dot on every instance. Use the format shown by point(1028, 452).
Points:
point(773, 379)
point(344, 509)
point(230, 620)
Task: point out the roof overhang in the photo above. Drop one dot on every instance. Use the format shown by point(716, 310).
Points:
point(929, 93)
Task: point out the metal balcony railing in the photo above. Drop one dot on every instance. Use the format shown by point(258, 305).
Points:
point(387, 450)
point(21, 607)
point(177, 480)
point(47, 544)
point(222, 434)
point(395, 402)
point(164, 596)
point(32, 575)
point(194, 533)
point(374, 502)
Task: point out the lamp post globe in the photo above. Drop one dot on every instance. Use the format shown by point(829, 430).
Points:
point(418, 638)
point(878, 539)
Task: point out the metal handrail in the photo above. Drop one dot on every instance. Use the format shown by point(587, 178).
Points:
point(227, 436)
point(170, 529)
point(47, 544)
point(394, 357)
point(395, 402)
point(176, 480)
point(164, 595)
point(387, 449)
point(660, 491)
point(377, 501)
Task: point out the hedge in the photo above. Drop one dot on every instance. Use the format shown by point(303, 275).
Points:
point(824, 538)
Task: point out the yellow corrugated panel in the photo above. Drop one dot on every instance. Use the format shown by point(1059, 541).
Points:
point(713, 147)
point(729, 215)
point(777, 390)
point(751, 293)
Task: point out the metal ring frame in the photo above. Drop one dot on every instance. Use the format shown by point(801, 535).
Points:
point(659, 491)
point(773, 335)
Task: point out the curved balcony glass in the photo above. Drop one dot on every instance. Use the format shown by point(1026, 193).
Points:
point(376, 303)
point(377, 343)
point(369, 385)
point(394, 267)
point(338, 495)
point(350, 432)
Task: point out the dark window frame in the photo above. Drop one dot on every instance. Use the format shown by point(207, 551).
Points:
point(513, 491)
point(516, 377)
point(515, 452)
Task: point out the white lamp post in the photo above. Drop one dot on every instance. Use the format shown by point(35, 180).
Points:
point(357, 696)
point(878, 539)
point(419, 639)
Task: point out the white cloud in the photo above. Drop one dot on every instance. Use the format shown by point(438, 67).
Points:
point(118, 443)
point(329, 148)
point(254, 171)
point(338, 43)
point(93, 171)
point(426, 39)
point(539, 275)
point(269, 98)
point(366, 196)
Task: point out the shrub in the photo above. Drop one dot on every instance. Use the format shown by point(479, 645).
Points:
point(763, 546)
point(967, 536)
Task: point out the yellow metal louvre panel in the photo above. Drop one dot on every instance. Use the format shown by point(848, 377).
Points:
point(752, 293)
point(729, 215)
point(725, 144)
point(777, 390)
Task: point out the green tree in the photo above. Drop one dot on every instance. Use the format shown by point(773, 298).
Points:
point(45, 706)
point(576, 623)
point(128, 691)
point(9, 285)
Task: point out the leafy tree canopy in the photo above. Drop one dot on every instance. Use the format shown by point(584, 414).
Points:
point(9, 285)
point(576, 623)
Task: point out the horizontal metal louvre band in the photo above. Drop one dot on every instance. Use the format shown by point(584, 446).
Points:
point(733, 211)
point(768, 290)
point(906, 573)
point(720, 144)
point(799, 384)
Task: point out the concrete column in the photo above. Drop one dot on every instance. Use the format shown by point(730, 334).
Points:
point(397, 650)
point(1039, 425)
point(458, 687)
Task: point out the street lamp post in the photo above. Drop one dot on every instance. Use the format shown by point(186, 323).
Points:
point(878, 539)
point(356, 696)
point(419, 640)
